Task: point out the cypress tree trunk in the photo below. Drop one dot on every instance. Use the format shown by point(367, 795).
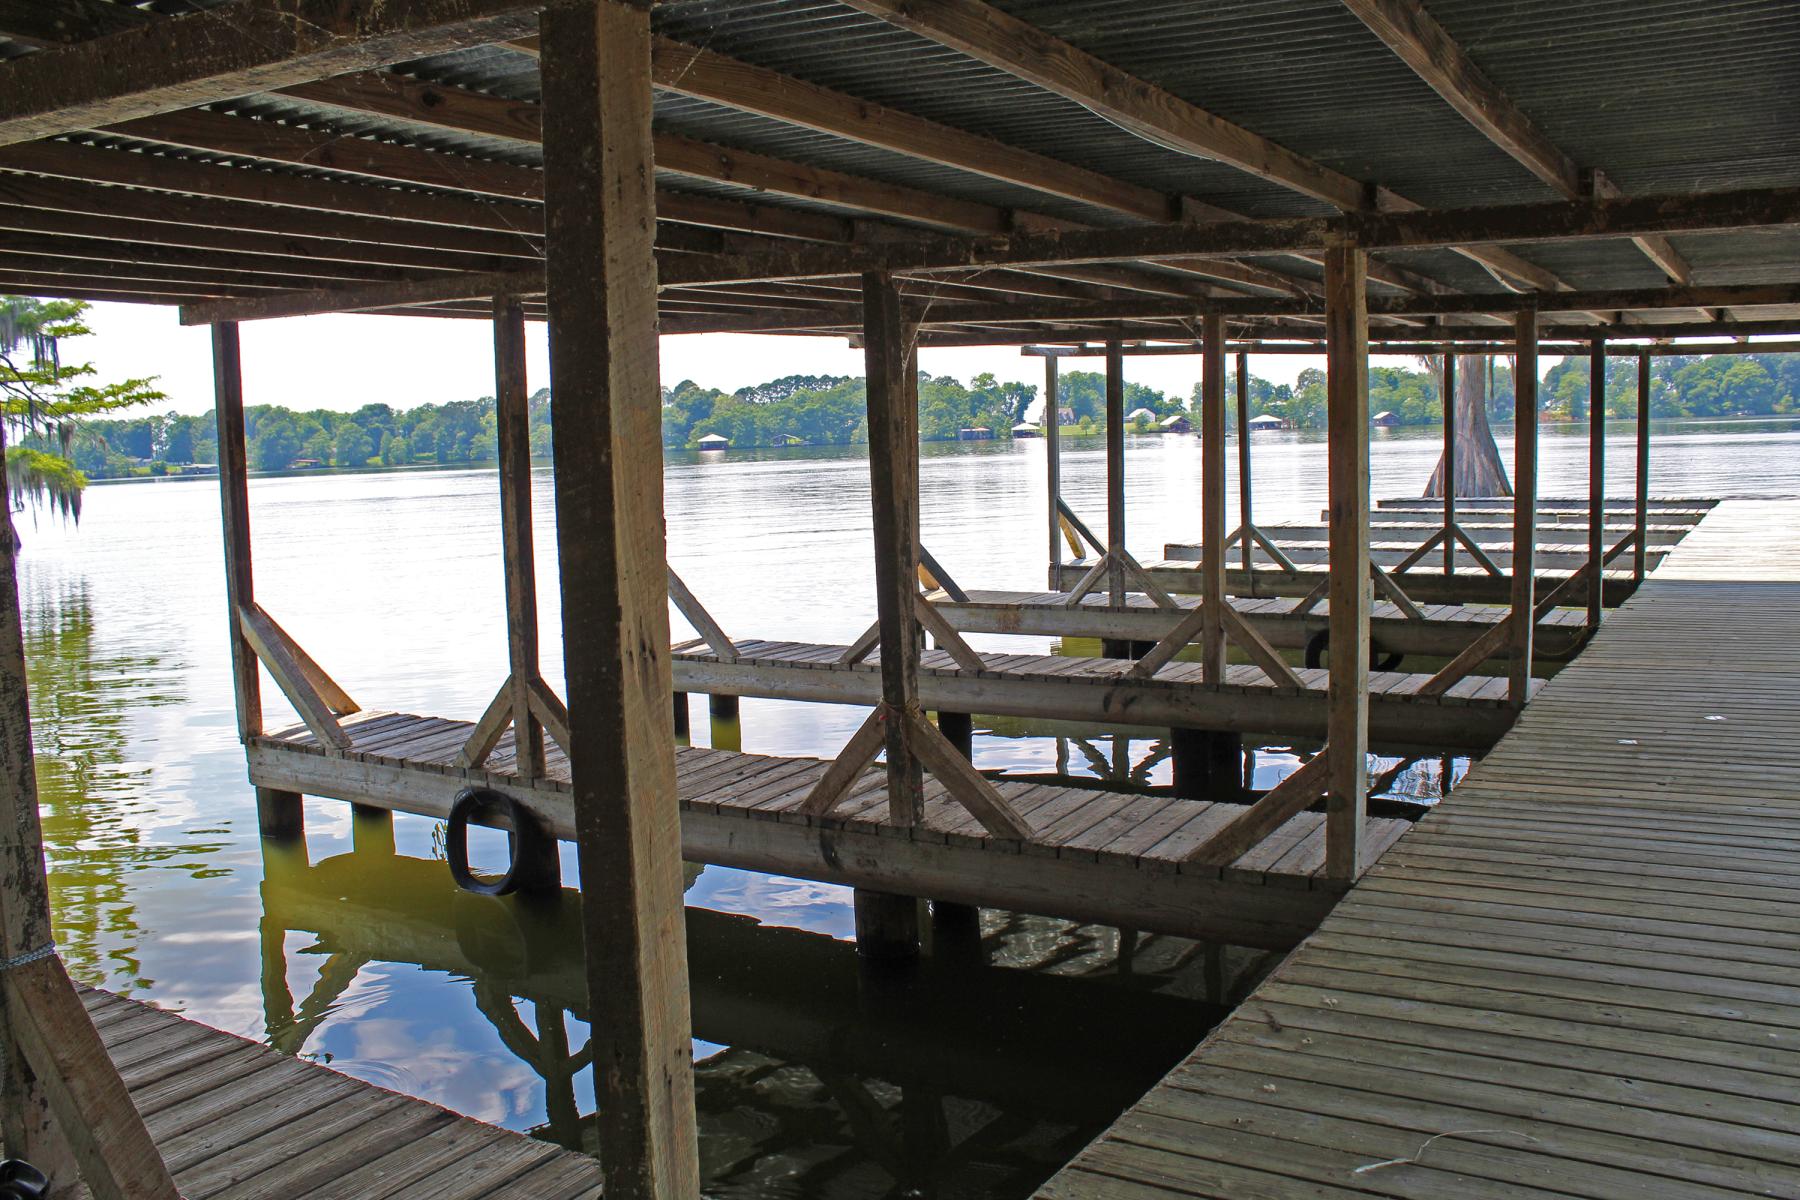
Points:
point(1479, 471)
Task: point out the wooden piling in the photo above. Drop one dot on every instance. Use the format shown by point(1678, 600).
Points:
point(512, 420)
point(1053, 463)
point(893, 413)
point(1641, 549)
point(1115, 471)
point(1596, 566)
point(1449, 461)
point(1347, 405)
point(1524, 575)
point(600, 272)
point(1212, 499)
point(279, 814)
point(1245, 521)
point(958, 729)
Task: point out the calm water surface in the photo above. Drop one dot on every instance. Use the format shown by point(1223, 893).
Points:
point(977, 1078)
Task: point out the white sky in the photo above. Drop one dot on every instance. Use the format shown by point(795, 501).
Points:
point(344, 362)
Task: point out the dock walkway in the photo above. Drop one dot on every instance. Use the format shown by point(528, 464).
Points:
point(1105, 857)
point(238, 1121)
point(1579, 976)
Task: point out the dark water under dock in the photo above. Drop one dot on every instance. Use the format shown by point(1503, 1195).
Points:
point(993, 1068)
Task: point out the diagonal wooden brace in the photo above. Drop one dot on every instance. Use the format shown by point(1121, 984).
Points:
point(966, 785)
point(948, 640)
point(1276, 808)
point(488, 731)
point(702, 621)
point(1258, 648)
point(855, 758)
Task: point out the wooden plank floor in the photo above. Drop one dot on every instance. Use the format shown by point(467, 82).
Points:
point(1425, 584)
point(238, 1121)
point(1579, 976)
point(1470, 716)
point(1093, 855)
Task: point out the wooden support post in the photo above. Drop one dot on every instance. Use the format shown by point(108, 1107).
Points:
point(1245, 521)
point(1449, 461)
point(894, 493)
point(683, 725)
point(1524, 566)
point(1115, 472)
point(512, 418)
point(1206, 764)
point(887, 926)
point(959, 730)
point(1347, 405)
point(600, 273)
point(1596, 568)
point(1640, 555)
point(1053, 465)
point(278, 814)
point(723, 707)
point(1212, 500)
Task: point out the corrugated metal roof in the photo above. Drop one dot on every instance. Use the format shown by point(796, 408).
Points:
point(1665, 95)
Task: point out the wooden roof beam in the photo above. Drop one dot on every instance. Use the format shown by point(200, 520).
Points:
point(1415, 36)
point(1009, 44)
point(63, 22)
point(240, 47)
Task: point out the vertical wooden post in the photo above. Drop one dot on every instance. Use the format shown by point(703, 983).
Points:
point(600, 270)
point(1449, 460)
point(513, 427)
point(279, 814)
point(1347, 417)
point(1115, 470)
point(888, 925)
point(1245, 521)
point(1596, 479)
point(1640, 557)
point(1053, 467)
point(1524, 565)
point(1212, 499)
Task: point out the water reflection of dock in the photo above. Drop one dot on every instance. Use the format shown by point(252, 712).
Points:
point(1016, 1054)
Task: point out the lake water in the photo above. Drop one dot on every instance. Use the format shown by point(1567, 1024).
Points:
point(977, 1078)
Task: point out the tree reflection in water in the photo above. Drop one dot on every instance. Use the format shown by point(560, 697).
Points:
point(91, 791)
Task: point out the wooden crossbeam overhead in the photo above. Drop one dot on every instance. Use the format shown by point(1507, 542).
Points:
point(1019, 48)
point(462, 111)
point(1424, 45)
point(240, 47)
point(60, 22)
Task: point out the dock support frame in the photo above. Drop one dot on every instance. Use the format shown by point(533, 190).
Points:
point(600, 273)
point(1596, 531)
point(1523, 619)
point(1640, 556)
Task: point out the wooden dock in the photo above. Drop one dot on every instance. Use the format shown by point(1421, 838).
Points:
point(1579, 976)
point(1094, 856)
point(1442, 630)
point(1425, 584)
point(239, 1121)
point(1470, 716)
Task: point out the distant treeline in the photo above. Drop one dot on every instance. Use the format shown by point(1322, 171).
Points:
point(825, 410)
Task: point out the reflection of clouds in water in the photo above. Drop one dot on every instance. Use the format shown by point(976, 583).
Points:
point(777, 900)
point(414, 1035)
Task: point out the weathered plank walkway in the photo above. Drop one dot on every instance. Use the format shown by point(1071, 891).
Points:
point(1093, 856)
point(239, 1121)
point(1470, 716)
point(1580, 976)
point(1444, 630)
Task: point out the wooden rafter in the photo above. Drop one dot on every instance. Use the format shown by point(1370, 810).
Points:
point(1019, 48)
point(240, 47)
point(1415, 36)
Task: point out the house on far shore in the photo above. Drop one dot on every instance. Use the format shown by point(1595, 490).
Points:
point(1266, 421)
point(1178, 423)
point(714, 441)
point(1065, 415)
point(1025, 429)
point(1140, 414)
point(787, 439)
point(306, 464)
point(1387, 420)
point(978, 433)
